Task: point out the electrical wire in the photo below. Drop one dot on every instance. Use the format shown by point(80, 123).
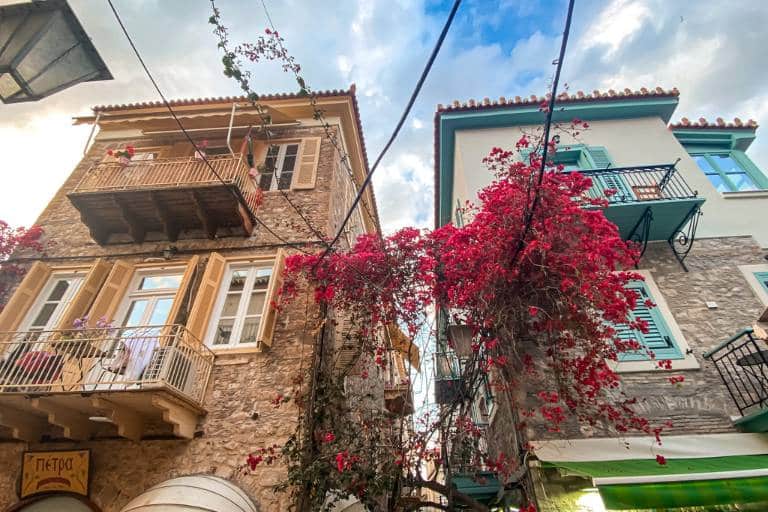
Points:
point(189, 138)
point(403, 117)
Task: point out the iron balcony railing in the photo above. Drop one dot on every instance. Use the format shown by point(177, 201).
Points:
point(742, 363)
point(105, 360)
point(638, 184)
point(169, 173)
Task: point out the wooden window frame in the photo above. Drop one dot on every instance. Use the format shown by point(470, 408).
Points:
point(61, 309)
point(745, 164)
point(132, 290)
point(283, 145)
point(750, 274)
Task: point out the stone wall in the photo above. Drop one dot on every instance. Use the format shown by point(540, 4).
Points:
point(240, 417)
point(701, 405)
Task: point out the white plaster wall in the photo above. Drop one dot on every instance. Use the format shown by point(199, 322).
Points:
point(629, 142)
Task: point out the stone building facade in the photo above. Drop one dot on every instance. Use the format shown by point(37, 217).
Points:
point(699, 195)
point(170, 224)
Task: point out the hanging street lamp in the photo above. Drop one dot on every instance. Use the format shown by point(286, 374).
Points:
point(43, 50)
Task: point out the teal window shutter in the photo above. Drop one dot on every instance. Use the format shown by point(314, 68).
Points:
point(659, 337)
point(762, 278)
point(599, 156)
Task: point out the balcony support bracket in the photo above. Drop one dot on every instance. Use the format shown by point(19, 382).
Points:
point(129, 423)
point(641, 231)
point(75, 425)
point(135, 229)
point(183, 420)
point(684, 235)
point(24, 427)
point(170, 227)
point(207, 221)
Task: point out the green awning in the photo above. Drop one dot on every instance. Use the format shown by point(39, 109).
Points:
point(703, 490)
point(698, 493)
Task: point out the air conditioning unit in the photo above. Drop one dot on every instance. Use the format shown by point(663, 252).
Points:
point(174, 367)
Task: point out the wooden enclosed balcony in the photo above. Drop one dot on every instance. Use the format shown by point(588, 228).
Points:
point(80, 383)
point(166, 198)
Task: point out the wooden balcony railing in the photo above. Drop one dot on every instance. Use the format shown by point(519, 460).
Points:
point(166, 194)
point(105, 360)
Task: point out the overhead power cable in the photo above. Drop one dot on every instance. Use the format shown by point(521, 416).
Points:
point(189, 138)
point(403, 117)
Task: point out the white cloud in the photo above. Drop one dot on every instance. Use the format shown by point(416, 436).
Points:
point(618, 22)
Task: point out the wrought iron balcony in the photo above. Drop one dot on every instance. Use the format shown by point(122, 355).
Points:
point(649, 203)
point(742, 362)
point(448, 381)
point(169, 196)
point(75, 379)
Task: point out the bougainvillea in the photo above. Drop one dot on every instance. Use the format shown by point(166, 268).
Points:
point(11, 240)
point(544, 303)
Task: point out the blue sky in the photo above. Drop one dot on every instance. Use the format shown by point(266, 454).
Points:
point(710, 49)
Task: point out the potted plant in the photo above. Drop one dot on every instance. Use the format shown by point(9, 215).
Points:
point(123, 156)
point(200, 150)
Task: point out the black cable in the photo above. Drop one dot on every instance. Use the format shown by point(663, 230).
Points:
point(547, 126)
point(400, 123)
point(189, 138)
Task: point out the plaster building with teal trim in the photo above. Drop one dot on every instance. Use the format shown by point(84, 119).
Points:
point(691, 196)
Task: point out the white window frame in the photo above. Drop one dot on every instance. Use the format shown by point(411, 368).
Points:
point(749, 275)
point(65, 301)
point(688, 362)
point(237, 327)
point(283, 148)
point(154, 294)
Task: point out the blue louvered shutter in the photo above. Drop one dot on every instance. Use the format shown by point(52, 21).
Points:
point(601, 160)
point(762, 278)
point(659, 338)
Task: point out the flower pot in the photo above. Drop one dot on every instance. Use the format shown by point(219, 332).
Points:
point(199, 155)
point(123, 160)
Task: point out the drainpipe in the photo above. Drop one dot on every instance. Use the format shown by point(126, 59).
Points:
point(229, 130)
point(90, 135)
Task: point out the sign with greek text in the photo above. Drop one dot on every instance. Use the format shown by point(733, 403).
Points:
point(56, 471)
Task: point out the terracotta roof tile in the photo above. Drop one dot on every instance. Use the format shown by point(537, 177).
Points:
point(579, 96)
point(719, 123)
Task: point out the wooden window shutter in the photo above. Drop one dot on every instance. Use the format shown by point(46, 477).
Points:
point(111, 293)
point(202, 308)
point(24, 296)
point(269, 317)
point(181, 293)
point(306, 173)
point(86, 294)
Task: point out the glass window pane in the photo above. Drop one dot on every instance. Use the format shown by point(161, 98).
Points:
point(45, 314)
point(262, 278)
point(742, 181)
point(291, 150)
point(160, 313)
point(719, 183)
point(704, 164)
point(58, 290)
point(256, 304)
point(250, 330)
point(237, 282)
point(160, 282)
point(727, 164)
point(231, 302)
point(223, 332)
point(265, 182)
point(135, 312)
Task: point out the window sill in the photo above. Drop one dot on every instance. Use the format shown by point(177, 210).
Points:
point(221, 351)
point(689, 363)
point(745, 194)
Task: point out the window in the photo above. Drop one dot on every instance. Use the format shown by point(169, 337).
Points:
point(762, 279)
point(279, 166)
point(730, 171)
point(482, 407)
point(240, 306)
point(658, 339)
point(52, 302)
point(150, 300)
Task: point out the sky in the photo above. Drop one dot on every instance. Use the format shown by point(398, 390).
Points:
point(711, 50)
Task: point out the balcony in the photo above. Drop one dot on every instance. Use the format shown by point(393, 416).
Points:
point(649, 203)
point(165, 198)
point(398, 398)
point(83, 383)
point(742, 363)
point(448, 381)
